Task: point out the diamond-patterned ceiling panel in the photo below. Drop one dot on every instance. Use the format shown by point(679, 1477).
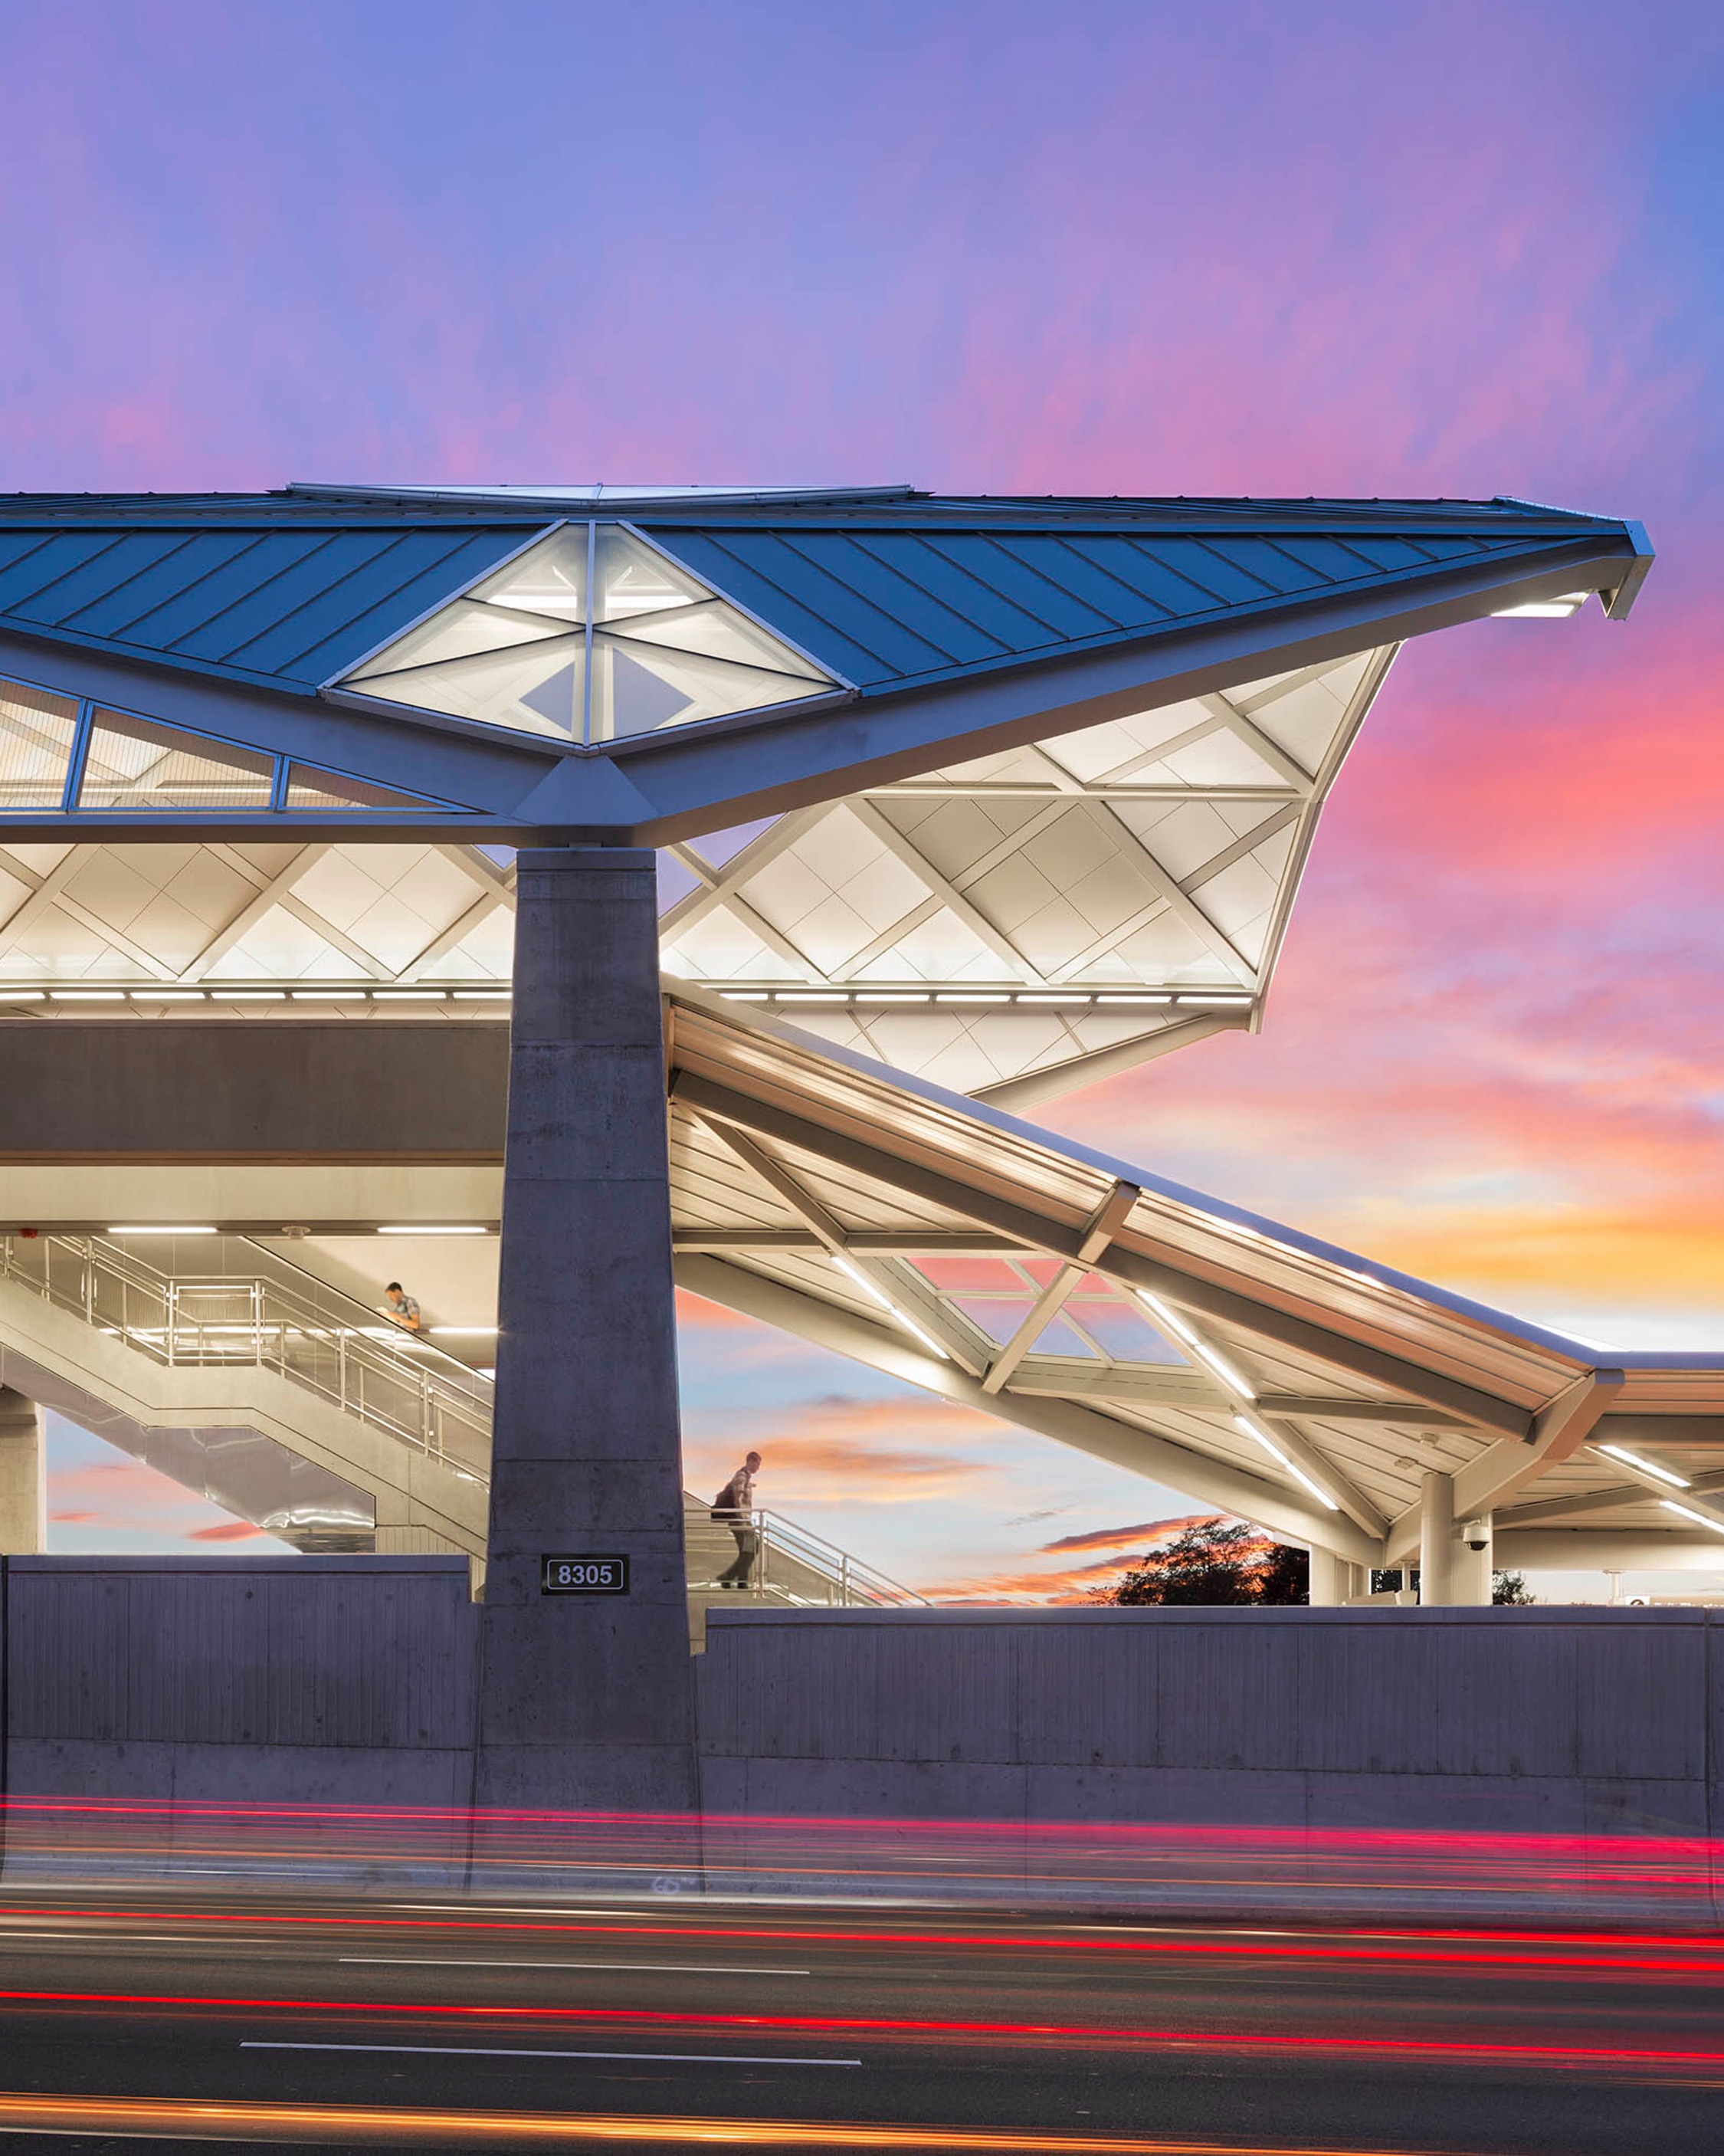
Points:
point(1025, 921)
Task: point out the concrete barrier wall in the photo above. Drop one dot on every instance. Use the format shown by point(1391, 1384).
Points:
point(315, 1679)
point(1553, 1721)
point(350, 1679)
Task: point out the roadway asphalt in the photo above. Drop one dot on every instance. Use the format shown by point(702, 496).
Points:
point(249, 2018)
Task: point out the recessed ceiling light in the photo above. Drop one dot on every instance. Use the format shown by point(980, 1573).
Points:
point(148, 1228)
point(437, 1228)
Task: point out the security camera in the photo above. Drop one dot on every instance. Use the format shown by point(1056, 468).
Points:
point(1477, 1534)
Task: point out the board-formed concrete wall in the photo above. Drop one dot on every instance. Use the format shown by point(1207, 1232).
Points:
point(350, 1679)
point(325, 1679)
point(1553, 1721)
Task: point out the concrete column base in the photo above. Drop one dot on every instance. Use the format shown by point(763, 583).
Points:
point(23, 1475)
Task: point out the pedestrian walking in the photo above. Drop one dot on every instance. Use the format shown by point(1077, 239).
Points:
point(734, 1505)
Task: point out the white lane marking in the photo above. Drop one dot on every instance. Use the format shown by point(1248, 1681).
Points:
point(657, 1967)
point(510, 2051)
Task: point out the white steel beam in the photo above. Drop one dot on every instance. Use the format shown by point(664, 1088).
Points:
point(1558, 1431)
point(1109, 1216)
point(1260, 745)
point(977, 922)
point(1091, 1069)
point(1185, 1291)
point(1208, 1480)
point(265, 893)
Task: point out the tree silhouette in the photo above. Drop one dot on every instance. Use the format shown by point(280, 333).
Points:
point(1217, 1564)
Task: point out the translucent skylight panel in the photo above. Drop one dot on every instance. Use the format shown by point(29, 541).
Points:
point(635, 579)
point(719, 632)
point(134, 763)
point(664, 650)
point(307, 788)
point(36, 733)
point(637, 688)
point(538, 689)
point(550, 578)
point(458, 632)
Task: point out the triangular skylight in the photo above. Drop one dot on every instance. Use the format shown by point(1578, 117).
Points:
point(592, 635)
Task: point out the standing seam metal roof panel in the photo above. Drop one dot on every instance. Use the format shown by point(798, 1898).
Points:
point(292, 592)
point(289, 604)
point(888, 607)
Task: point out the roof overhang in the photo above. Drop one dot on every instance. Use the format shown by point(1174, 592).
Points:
point(1275, 1376)
point(664, 787)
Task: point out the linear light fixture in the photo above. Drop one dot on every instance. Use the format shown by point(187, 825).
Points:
point(1219, 1366)
point(1292, 1467)
point(435, 1228)
point(151, 1228)
point(1557, 609)
point(1645, 1467)
point(1688, 1512)
point(88, 995)
point(463, 1332)
point(1222, 1369)
point(853, 1271)
point(1170, 1319)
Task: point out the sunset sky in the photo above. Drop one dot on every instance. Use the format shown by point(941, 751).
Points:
point(1425, 248)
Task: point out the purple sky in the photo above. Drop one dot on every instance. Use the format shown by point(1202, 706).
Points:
point(1444, 249)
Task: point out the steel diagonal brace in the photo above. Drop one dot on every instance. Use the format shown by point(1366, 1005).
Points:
point(1010, 1217)
point(1108, 1216)
point(895, 1283)
point(1200, 1475)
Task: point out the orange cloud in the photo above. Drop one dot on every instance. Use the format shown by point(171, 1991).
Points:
point(227, 1531)
point(1118, 1537)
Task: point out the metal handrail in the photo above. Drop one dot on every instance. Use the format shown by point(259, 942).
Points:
point(808, 1569)
point(267, 1314)
point(859, 1582)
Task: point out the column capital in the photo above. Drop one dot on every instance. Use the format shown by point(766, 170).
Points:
point(571, 860)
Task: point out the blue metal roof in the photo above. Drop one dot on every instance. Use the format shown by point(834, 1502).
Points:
point(287, 606)
point(886, 587)
point(886, 607)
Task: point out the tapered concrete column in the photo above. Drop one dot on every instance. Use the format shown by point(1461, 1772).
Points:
point(1333, 1580)
point(1436, 1541)
point(586, 1701)
point(23, 1475)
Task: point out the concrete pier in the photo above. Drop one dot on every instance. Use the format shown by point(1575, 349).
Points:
point(586, 1699)
point(23, 1475)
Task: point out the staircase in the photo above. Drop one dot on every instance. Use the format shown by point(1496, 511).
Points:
point(291, 1404)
